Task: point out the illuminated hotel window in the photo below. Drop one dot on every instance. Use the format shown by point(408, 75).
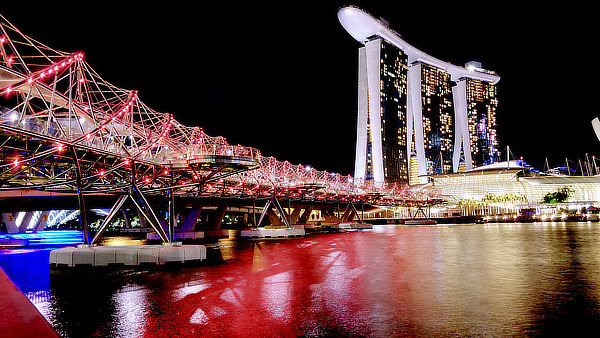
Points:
point(481, 111)
point(393, 112)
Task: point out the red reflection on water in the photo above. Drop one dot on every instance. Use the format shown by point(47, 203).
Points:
point(272, 288)
point(498, 280)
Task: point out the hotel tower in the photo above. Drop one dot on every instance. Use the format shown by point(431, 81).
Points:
point(415, 112)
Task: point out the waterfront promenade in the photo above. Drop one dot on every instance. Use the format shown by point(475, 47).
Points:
point(19, 317)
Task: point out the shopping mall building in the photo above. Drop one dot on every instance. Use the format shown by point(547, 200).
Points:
point(506, 190)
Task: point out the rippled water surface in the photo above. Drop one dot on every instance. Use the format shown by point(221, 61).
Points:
point(488, 280)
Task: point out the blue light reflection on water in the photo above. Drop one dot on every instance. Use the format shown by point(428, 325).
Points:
point(47, 238)
point(27, 268)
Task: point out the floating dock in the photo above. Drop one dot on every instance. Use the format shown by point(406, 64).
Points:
point(192, 235)
point(420, 221)
point(129, 255)
point(353, 226)
point(273, 233)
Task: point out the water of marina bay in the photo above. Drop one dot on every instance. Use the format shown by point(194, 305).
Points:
point(491, 280)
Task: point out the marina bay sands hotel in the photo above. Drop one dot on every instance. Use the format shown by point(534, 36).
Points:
point(417, 115)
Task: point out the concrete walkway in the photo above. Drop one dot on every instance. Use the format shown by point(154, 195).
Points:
point(20, 318)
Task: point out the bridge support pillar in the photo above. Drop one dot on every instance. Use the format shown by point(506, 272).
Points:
point(126, 219)
point(143, 220)
point(306, 214)
point(295, 216)
point(41, 224)
point(349, 213)
point(274, 202)
point(347, 216)
point(190, 219)
point(218, 217)
point(9, 219)
point(172, 216)
point(273, 218)
point(81, 202)
point(143, 207)
point(329, 216)
point(25, 222)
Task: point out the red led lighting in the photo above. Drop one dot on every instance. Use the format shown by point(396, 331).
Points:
point(41, 74)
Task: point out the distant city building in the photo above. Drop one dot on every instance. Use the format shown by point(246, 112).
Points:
point(503, 188)
point(414, 107)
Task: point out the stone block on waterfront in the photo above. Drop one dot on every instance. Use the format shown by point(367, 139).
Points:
point(170, 254)
point(148, 254)
point(83, 256)
point(126, 256)
point(105, 257)
point(272, 233)
point(63, 256)
point(194, 252)
point(130, 255)
point(179, 235)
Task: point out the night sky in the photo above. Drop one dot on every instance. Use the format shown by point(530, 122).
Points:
point(282, 76)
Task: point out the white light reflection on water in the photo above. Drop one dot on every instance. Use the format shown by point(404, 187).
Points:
point(277, 295)
point(131, 310)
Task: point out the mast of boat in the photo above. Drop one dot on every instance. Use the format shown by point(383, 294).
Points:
point(594, 165)
point(507, 157)
point(579, 165)
point(547, 166)
point(568, 169)
point(588, 165)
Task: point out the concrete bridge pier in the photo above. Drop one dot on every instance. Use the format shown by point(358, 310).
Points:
point(217, 219)
point(190, 218)
point(303, 219)
point(42, 221)
point(10, 220)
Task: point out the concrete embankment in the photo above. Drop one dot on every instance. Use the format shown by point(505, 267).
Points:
point(20, 318)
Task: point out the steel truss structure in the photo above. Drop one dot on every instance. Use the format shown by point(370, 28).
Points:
point(65, 129)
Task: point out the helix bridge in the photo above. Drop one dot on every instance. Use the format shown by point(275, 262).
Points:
point(64, 129)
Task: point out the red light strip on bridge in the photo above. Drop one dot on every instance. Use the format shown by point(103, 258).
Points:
point(40, 75)
point(126, 106)
point(164, 133)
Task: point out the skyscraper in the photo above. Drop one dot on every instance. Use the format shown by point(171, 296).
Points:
point(481, 112)
point(414, 107)
point(438, 119)
point(381, 147)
